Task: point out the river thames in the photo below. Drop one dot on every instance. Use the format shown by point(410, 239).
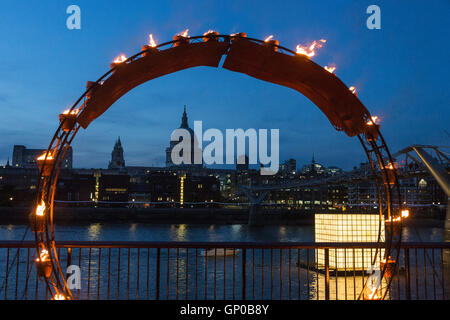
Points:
point(427, 230)
point(192, 274)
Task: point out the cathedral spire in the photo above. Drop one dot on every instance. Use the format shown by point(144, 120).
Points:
point(184, 120)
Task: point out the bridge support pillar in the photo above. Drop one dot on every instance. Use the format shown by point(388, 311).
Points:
point(255, 216)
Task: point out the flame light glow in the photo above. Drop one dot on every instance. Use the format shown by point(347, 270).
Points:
point(372, 294)
point(42, 157)
point(151, 41)
point(405, 213)
point(373, 120)
point(40, 209)
point(208, 32)
point(309, 51)
point(184, 33)
point(268, 38)
point(43, 256)
point(330, 69)
point(120, 59)
point(73, 112)
point(59, 296)
point(352, 89)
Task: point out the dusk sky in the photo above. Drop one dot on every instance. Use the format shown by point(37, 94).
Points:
point(400, 72)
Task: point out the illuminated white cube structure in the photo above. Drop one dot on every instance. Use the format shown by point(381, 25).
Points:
point(348, 227)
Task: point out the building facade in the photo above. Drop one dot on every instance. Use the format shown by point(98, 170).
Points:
point(26, 158)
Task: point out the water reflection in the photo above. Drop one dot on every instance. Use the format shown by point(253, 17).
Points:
point(181, 233)
point(236, 229)
point(94, 232)
point(270, 274)
point(188, 232)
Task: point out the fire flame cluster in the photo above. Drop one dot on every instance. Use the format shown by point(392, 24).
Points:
point(73, 112)
point(59, 296)
point(43, 256)
point(373, 120)
point(404, 214)
point(389, 166)
point(330, 69)
point(184, 33)
point(151, 41)
point(309, 51)
point(43, 157)
point(208, 32)
point(120, 59)
point(372, 295)
point(40, 209)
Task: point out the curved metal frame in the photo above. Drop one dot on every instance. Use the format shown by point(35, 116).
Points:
point(377, 154)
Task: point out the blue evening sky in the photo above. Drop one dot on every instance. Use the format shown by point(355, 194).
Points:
point(401, 73)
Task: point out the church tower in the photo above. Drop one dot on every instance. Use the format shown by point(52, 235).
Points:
point(117, 160)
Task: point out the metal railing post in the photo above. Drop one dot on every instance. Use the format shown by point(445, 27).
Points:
point(69, 260)
point(327, 274)
point(158, 265)
point(407, 275)
point(244, 262)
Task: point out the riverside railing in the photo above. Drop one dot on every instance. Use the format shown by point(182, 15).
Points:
point(223, 270)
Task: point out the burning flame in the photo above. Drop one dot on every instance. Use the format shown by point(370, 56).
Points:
point(268, 38)
point(43, 255)
point(393, 219)
point(372, 294)
point(59, 296)
point(352, 89)
point(208, 32)
point(309, 51)
point(390, 166)
point(405, 213)
point(120, 59)
point(330, 69)
point(373, 120)
point(49, 157)
point(40, 209)
point(73, 112)
point(184, 33)
point(151, 41)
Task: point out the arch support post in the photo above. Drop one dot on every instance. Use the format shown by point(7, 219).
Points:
point(255, 216)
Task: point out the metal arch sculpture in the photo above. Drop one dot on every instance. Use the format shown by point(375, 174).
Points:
point(259, 59)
